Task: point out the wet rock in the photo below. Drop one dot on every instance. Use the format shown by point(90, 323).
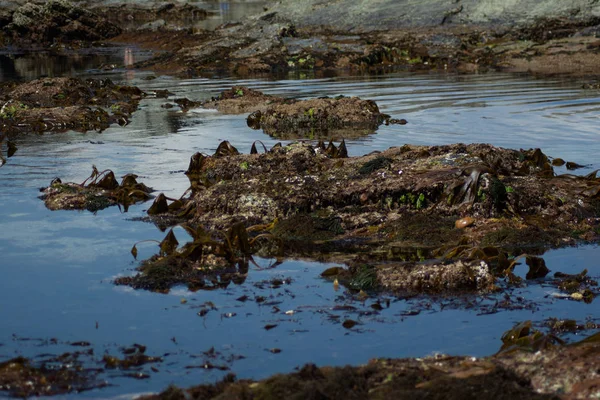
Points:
point(300, 200)
point(290, 118)
point(464, 222)
point(565, 370)
point(61, 104)
point(350, 37)
point(240, 99)
point(332, 117)
point(99, 191)
point(56, 21)
point(161, 273)
point(357, 16)
point(274, 45)
point(431, 277)
point(142, 16)
point(440, 377)
point(529, 365)
point(186, 104)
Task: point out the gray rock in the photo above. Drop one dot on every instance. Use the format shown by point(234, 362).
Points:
point(358, 15)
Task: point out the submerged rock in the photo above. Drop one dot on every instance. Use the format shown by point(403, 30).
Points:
point(23, 378)
point(72, 372)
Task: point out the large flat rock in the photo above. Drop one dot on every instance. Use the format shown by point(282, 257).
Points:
point(359, 15)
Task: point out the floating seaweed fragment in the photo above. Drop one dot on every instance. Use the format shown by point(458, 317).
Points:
point(578, 287)
point(349, 323)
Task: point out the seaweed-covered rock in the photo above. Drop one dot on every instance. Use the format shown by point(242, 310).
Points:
point(530, 365)
point(99, 191)
point(23, 378)
point(240, 99)
point(60, 104)
point(161, 273)
point(72, 372)
point(60, 92)
point(383, 192)
point(292, 118)
point(333, 117)
point(468, 209)
point(438, 377)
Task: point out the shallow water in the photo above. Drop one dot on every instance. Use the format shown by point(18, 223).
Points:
point(57, 267)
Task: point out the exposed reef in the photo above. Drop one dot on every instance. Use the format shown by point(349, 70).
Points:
point(52, 23)
point(61, 104)
point(411, 219)
point(97, 192)
point(325, 117)
point(529, 366)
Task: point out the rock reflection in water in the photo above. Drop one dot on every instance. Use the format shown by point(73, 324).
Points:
point(33, 65)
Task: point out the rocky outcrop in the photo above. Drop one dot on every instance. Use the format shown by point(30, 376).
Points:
point(56, 21)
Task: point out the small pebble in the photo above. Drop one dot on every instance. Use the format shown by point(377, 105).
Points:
point(464, 222)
